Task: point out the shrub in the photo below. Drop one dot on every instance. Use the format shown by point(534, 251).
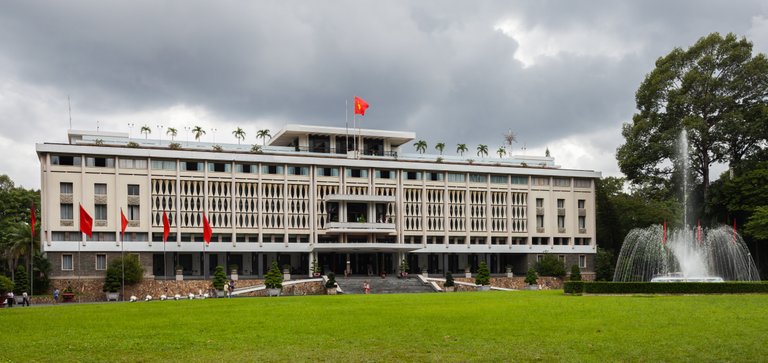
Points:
point(112, 282)
point(255, 148)
point(483, 275)
point(448, 280)
point(331, 283)
point(600, 287)
point(174, 146)
point(22, 280)
point(219, 278)
point(575, 273)
point(404, 266)
point(550, 265)
point(134, 272)
point(531, 277)
point(132, 144)
point(604, 265)
point(274, 278)
point(5, 285)
point(99, 142)
point(217, 147)
point(573, 287)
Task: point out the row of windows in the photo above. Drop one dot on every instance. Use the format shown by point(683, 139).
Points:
point(582, 259)
point(67, 211)
point(67, 262)
point(98, 188)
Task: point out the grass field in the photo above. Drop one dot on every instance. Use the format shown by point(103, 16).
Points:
point(493, 327)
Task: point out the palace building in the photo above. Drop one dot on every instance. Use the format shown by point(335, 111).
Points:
point(325, 196)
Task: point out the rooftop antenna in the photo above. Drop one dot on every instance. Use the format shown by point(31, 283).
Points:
point(70, 112)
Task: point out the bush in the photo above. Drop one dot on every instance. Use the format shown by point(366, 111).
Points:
point(22, 280)
point(550, 265)
point(274, 278)
point(174, 146)
point(255, 148)
point(575, 273)
point(404, 266)
point(604, 265)
point(331, 283)
point(217, 147)
point(448, 280)
point(5, 285)
point(600, 287)
point(483, 275)
point(219, 278)
point(132, 144)
point(112, 280)
point(531, 277)
point(134, 272)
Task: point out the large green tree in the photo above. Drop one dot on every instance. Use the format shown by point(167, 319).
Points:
point(717, 91)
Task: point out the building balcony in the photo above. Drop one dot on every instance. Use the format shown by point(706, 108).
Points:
point(357, 227)
point(360, 198)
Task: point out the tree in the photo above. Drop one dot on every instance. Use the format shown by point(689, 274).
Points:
point(483, 274)
point(263, 135)
point(461, 149)
point(604, 265)
point(421, 146)
point(510, 138)
point(134, 272)
point(575, 273)
point(440, 146)
point(757, 226)
point(113, 278)
point(198, 131)
point(550, 265)
point(717, 91)
point(531, 277)
point(546, 152)
point(482, 150)
point(448, 279)
point(22, 280)
point(146, 131)
point(6, 285)
point(274, 278)
point(219, 278)
point(172, 132)
point(239, 134)
point(501, 151)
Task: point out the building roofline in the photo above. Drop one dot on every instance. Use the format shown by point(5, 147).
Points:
point(290, 131)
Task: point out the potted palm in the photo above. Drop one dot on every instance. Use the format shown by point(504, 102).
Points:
point(273, 280)
point(315, 269)
point(219, 279)
point(448, 284)
point(530, 279)
point(330, 285)
point(483, 279)
point(403, 268)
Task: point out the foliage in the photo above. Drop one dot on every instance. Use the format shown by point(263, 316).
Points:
point(134, 272)
point(546, 152)
point(42, 269)
point(575, 273)
point(461, 148)
point(440, 146)
point(483, 274)
point(22, 280)
point(219, 277)
point(510, 138)
point(482, 150)
point(174, 146)
point(113, 278)
point(15, 233)
point(263, 135)
point(404, 266)
point(146, 130)
point(550, 265)
point(715, 90)
point(421, 146)
point(274, 278)
point(6, 285)
point(604, 265)
point(172, 132)
point(331, 283)
point(217, 147)
point(665, 287)
point(448, 280)
point(132, 144)
point(98, 142)
point(758, 224)
point(439, 159)
point(531, 276)
point(239, 134)
point(198, 132)
point(501, 151)
point(233, 267)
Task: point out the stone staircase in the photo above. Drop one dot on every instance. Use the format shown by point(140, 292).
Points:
point(388, 285)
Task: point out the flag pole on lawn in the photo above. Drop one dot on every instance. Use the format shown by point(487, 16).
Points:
point(32, 217)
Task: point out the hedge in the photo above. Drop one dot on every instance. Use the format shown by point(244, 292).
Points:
point(601, 287)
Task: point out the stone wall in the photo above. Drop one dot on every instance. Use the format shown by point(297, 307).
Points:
point(517, 282)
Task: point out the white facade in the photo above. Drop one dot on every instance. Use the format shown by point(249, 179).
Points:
point(306, 197)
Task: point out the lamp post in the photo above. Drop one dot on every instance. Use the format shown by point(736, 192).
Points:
point(160, 127)
point(130, 129)
point(186, 130)
point(213, 130)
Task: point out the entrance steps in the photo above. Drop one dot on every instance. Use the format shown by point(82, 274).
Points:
point(388, 285)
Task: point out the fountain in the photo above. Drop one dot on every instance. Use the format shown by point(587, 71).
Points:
point(688, 254)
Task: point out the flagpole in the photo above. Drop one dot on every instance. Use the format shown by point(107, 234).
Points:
point(122, 260)
point(354, 139)
point(31, 254)
point(346, 126)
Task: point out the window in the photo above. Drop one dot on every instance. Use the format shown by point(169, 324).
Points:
point(581, 203)
point(560, 221)
point(582, 261)
point(245, 168)
point(539, 221)
point(132, 163)
point(539, 202)
point(164, 165)
point(298, 170)
point(561, 182)
point(100, 162)
point(478, 178)
point(65, 211)
point(540, 181)
point(432, 176)
point(272, 169)
point(327, 171)
point(539, 258)
point(220, 167)
point(582, 183)
point(582, 222)
point(561, 258)
point(100, 212)
point(101, 262)
point(412, 175)
point(65, 160)
point(499, 179)
point(191, 166)
point(455, 178)
point(385, 174)
point(66, 262)
point(133, 213)
point(520, 180)
point(65, 188)
point(357, 173)
point(100, 189)
point(561, 203)
point(133, 189)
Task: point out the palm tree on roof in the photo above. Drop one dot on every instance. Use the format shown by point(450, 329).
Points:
point(263, 135)
point(461, 149)
point(510, 138)
point(440, 146)
point(198, 131)
point(239, 134)
point(146, 131)
point(173, 132)
point(421, 146)
point(482, 150)
point(501, 151)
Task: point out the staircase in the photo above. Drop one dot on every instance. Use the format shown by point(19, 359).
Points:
point(389, 285)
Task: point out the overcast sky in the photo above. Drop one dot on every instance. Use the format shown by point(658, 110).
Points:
point(560, 74)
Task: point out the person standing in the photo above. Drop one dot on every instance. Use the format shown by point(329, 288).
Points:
point(366, 287)
point(9, 299)
point(24, 299)
point(56, 295)
point(231, 287)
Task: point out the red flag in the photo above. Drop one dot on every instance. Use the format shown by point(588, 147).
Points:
point(664, 239)
point(123, 222)
point(33, 219)
point(166, 227)
point(86, 222)
point(207, 231)
point(698, 230)
point(360, 106)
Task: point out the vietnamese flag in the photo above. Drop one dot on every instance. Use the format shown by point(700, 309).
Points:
point(123, 222)
point(33, 218)
point(207, 231)
point(166, 227)
point(86, 222)
point(360, 106)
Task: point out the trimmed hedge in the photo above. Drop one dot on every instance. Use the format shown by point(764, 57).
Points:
point(601, 287)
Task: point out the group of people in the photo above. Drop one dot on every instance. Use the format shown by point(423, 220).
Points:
point(10, 299)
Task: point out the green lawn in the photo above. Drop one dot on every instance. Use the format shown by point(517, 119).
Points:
point(494, 327)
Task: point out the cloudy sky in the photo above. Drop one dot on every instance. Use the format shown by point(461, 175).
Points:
point(560, 74)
